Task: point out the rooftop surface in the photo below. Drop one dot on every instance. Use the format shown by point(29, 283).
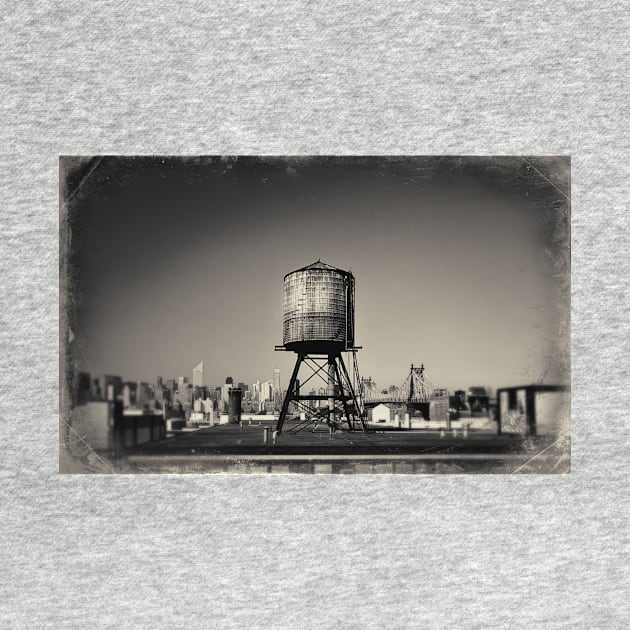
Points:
point(231, 439)
point(228, 448)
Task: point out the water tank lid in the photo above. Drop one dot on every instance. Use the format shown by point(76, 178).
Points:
point(318, 264)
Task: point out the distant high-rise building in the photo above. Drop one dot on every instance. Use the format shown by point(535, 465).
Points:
point(276, 381)
point(110, 387)
point(200, 393)
point(266, 391)
point(184, 391)
point(129, 394)
point(144, 395)
point(198, 375)
point(225, 395)
point(256, 391)
point(229, 381)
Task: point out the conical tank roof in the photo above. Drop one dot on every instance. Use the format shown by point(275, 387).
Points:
point(319, 264)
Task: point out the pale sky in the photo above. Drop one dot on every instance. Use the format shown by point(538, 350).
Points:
point(460, 264)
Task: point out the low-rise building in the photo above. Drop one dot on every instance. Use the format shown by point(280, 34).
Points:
point(381, 414)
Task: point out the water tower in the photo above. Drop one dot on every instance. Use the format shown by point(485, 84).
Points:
point(318, 325)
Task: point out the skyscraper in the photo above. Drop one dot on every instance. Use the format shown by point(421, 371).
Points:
point(198, 375)
point(256, 391)
point(225, 396)
point(276, 381)
point(184, 391)
point(266, 391)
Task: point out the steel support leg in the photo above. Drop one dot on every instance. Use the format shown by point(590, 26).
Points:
point(289, 395)
point(342, 393)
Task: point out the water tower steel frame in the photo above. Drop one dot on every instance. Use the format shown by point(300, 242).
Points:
point(318, 325)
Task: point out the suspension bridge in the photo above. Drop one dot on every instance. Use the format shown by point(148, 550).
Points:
point(417, 388)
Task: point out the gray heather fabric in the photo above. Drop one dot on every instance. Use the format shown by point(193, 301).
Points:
point(237, 551)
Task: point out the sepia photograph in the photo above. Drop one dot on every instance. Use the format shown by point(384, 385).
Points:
point(315, 314)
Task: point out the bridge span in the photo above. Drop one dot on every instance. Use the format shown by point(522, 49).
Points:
point(417, 389)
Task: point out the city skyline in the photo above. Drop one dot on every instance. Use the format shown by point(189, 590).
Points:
point(461, 263)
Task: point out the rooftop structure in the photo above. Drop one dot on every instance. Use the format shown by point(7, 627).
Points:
point(318, 325)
